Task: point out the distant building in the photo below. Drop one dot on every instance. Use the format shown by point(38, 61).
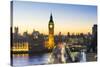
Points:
point(25, 34)
point(35, 34)
point(16, 30)
point(68, 34)
point(19, 43)
point(94, 30)
point(15, 34)
point(94, 38)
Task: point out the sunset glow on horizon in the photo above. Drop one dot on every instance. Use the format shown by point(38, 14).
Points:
point(29, 16)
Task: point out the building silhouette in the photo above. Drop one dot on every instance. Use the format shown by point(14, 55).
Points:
point(16, 30)
point(20, 43)
point(51, 33)
point(94, 38)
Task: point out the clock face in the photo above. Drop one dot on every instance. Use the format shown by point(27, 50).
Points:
point(51, 26)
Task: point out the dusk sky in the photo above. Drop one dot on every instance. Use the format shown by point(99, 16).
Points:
point(67, 18)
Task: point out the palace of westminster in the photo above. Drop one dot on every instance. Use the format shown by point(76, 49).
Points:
point(38, 42)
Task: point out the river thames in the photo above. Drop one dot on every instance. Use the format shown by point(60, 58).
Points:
point(20, 60)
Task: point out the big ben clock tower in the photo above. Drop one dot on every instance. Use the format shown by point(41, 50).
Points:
point(51, 33)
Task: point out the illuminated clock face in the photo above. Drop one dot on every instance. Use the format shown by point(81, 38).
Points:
point(51, 26)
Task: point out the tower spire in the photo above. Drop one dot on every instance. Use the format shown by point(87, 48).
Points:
point(51, 18)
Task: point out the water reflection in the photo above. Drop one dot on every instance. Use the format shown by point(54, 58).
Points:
point(37, 59)
point(83, 57)
point(20, 59)
point(28, 59)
